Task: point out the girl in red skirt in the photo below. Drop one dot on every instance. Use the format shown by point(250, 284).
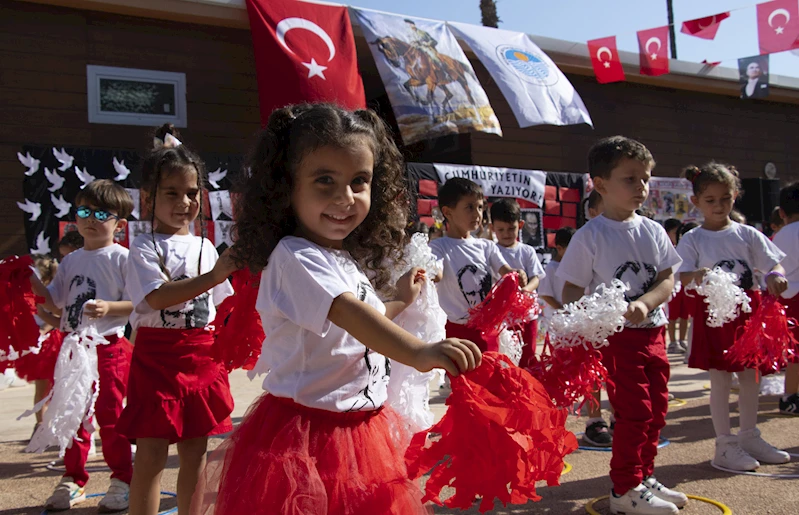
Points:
point(39, 368)
point(176, 392)
point(741, 249)
point(325, 202)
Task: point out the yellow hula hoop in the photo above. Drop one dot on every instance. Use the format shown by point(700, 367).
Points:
point(676, 402)
point(725, 510)
point(567, 467)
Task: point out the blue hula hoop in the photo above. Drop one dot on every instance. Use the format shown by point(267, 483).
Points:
point(167, 512)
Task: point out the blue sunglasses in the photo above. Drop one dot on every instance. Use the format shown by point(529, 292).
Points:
point(99, 214)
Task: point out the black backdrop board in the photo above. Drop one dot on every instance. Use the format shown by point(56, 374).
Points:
point(759, 198)
point(100, 164)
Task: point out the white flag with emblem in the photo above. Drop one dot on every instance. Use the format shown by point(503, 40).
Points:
point(537, 91)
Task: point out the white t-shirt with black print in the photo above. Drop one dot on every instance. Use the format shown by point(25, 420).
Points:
point(635, 252)
point(180, 254)
point(86, 275)
point(787, 240)
point(523, 257)
point(468, 267)
point(551, 286)
point(740, 249)
point(311, 360)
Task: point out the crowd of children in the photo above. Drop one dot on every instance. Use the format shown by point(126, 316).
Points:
point(324, 209)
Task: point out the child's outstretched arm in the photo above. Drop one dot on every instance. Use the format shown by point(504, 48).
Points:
point(408, 288)
point(553, 303)
point(48, 317)
point(177, 292)
point(532, 283)
point(100, 308)
point(572, 293)
point(41, 290)
point(776, 281)
point(654, 297)
point(506, 269)
point(380, 334)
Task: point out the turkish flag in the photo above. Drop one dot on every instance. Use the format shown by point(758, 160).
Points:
point(778, 26)
point(605, 60)
point(653, 50)
point(704, 28)
point(304, 52)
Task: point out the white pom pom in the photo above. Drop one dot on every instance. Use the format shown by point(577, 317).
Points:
point(591, 319)
point(510, 344)
point(418, 254)
point(725, 300)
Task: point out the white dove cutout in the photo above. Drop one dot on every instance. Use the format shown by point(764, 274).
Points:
point(121, 170)
point(42, 245)
point(63, 158)
point(216, 176)
point(62, 205)
point(32, 208)
point(56, 181)
point(84, 176)
point(29, 162)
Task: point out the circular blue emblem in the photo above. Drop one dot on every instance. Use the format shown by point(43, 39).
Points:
point(527, 65)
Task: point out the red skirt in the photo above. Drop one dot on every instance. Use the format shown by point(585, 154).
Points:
point(41, 366)
point(176, 391)
point(288, 459)
point(680, 306)
point(709, 344)
point(792, 311)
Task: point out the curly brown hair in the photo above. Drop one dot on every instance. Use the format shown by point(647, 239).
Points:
point(265, 215)
point(712, 173)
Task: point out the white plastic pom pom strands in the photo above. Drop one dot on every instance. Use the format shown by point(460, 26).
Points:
point(592, 319)
point(724, 298)
point(511, 345)
point(408, 391)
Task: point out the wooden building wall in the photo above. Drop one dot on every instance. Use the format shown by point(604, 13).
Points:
point(44, 51)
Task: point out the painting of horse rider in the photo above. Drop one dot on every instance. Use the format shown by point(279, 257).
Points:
point(430, 82)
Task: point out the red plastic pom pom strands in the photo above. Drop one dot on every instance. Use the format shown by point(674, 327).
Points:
point(18, 329)
point(505, 307)
point(499, 436)
point(239, 334)
point(766, 342)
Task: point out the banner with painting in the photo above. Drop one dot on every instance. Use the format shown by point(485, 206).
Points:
point(430, 83)
point(499, 182)
point(54, 176)
point(671, 198)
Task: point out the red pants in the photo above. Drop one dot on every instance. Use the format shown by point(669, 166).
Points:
point(113, 362)
point(637, 364)
point(529, 337)
point(465, 333)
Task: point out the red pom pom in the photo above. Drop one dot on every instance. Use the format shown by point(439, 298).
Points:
point(499, 436)
point(19, 331)
point(571, 374)
point(506, 305)
point(766, 342)
point(239, 333)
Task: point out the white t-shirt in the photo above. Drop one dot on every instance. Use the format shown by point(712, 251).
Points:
point(551, 286)
point(787, 240)
point(738, 248)
point(635, 252)
point(311, 360)
point(88, 275)
point(468, 267)
point(523, 257)
point(181, 254)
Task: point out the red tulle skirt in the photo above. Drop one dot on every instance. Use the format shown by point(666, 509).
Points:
point(176, 391)
point(680, 306)
point(41, 366)
point(288, 459)
point(792, 311)
point(709, 344)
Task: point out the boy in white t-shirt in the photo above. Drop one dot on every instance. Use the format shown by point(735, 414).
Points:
point(787, 239)
point(619, 244)
point(506, 222)
point(89, 287)
point(551, 288)
point(468, 262)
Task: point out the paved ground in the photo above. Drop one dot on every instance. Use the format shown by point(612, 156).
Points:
point(25, 481)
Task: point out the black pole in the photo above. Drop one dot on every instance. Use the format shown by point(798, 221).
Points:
point(672, 33)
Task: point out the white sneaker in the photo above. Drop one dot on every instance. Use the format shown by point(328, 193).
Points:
point(640, 501)
point(92, 446)
point(730, 455)
point(678, 499)
point(66, 495)
point(760, 449)
point(116, 498)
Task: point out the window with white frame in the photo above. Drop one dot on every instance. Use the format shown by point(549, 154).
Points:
point(129, 96)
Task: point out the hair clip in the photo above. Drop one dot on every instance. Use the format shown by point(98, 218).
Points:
point(169, 141)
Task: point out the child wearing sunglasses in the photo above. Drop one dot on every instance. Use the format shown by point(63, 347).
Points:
point(89, 287)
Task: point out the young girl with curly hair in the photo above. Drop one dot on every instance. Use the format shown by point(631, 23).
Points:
point(325, 206)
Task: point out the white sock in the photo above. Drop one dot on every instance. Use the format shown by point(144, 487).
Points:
point(720, 384)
